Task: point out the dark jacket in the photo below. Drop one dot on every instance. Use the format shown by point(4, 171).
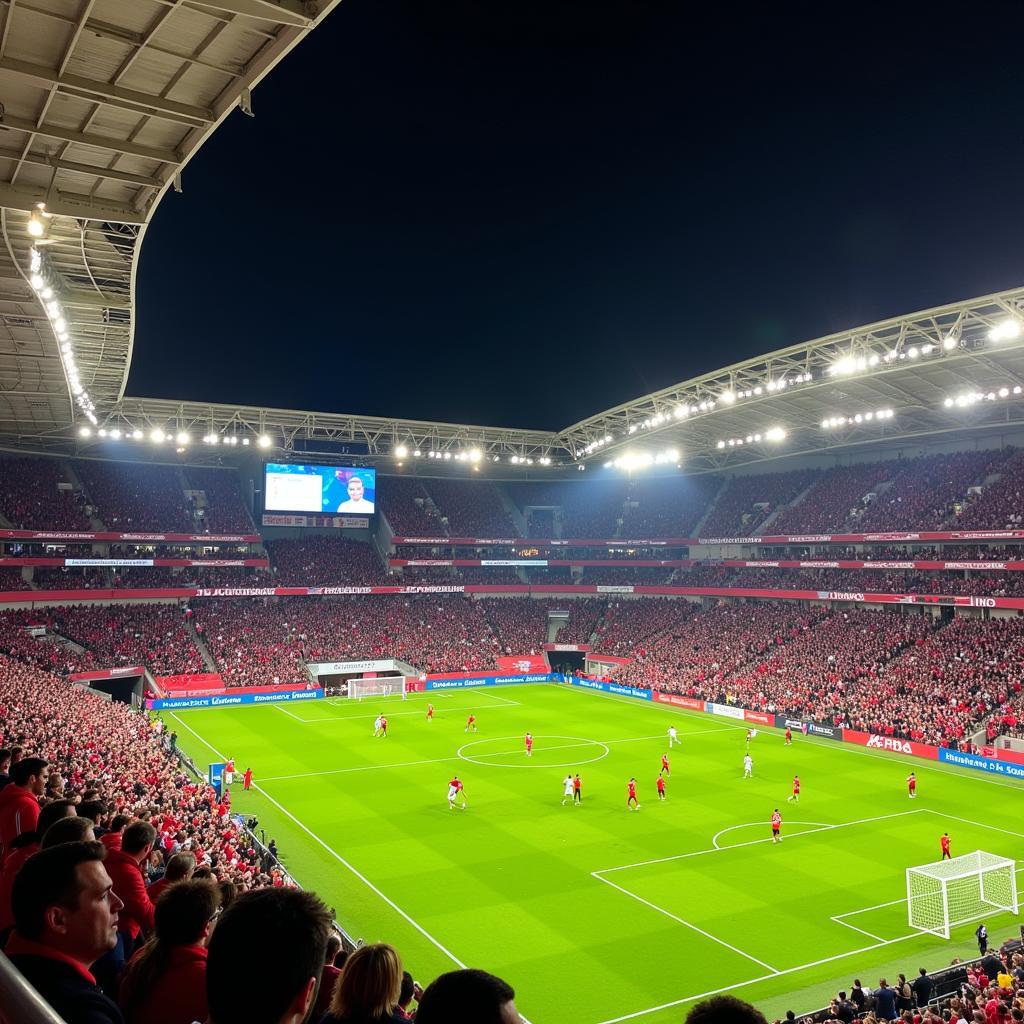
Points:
point(885, 1003)
point(67, 987)
point(394, 1017)
point(922, 987)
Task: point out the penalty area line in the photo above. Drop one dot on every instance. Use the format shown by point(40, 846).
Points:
point(341, 860)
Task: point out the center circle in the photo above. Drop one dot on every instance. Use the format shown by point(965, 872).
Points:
point(541, 744)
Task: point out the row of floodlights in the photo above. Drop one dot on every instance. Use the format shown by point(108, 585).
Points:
point(160, 436)
point(474, 455)
point(640, 460)
point(861, 417)
point(1005, 330)
point(968, 398)
point(773, 434)
point(38, 279)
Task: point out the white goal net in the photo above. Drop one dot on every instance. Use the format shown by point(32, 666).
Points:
point(387, 686)
point(952, 892)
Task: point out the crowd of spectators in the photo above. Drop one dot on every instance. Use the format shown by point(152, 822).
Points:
point(748, 501)
point(325, 560)
point(585, 508)
point(670, 507)
point(31, 497)
point(838, 496)
point(224, 510)
point(132, 496)
point(470, 508)
point(926, 492)
point(999, 506)
point(407, 507)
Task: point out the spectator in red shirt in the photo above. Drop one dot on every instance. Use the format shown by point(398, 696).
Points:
point(330, 975)
point(19, 802)
point(125, 869)
point(165, 982)
point(111, 839)
point(65, 915)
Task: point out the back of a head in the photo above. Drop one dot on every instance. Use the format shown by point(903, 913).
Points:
point(49, 878)
point(265, 919)
point(137, 836)
point(181, 865)
point(370, 984)
point(26, 768)
point(67, 830)
point(725, 1010)
point(465, 997)
point(54, 811)
point(184, 910)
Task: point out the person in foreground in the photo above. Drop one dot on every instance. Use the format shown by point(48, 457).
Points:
point(65, 919)
point(165, 981)
point(468, 997)
point(725, 1010)
point(279, 987)
point(369, 988)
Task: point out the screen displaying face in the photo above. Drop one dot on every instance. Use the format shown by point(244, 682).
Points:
point(320, 490)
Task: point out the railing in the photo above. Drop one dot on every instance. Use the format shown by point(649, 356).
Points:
point(20, 1003)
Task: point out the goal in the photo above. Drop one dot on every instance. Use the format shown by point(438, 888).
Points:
point(387, 686)
point(952, 892)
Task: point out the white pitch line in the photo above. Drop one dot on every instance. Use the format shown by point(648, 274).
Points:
point(760, 824)
point(341, 860)
point(846, 924)
point(755, 842)
point(285, 711)
point(968, 821)
point(690, 925)
point(392, 714)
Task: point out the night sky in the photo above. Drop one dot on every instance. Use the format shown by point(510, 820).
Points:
point(522, 214)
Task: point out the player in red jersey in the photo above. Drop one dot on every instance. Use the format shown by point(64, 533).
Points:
point(631, 796)
point(664, 764)
point(789, 736)
point(912, 785)
point(661, 786)
point(796, 791)
point(455, 787)
point(430, 712)
point(529, 744)
point(471, 724)
point(577, 786)
point(944, 843)
point(247, 779)
point(776, 826)
point(383, 727)
point(229, 771)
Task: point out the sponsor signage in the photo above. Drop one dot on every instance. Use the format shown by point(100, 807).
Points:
point(525, 663)
point(615, 590)
point(568, 647)
point(625, 691)
point(680, 702)
point(339, 668)
point(514, 561)
point(107, 561)
point(230, 699)
point(106, 673)
point(149, 538)
point(471, 681)
point(760, 717)
point(831, 732)
point(982, 764)
point(321, 522)
point(727, 710)
point(892, 744)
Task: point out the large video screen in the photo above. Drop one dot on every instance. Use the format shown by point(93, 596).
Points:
point(320, 490)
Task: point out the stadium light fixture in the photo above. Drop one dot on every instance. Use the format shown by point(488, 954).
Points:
point(136, 434)
point(1005, 331)
point(183, 437)
point(37, 221)
point(401, 451)
point(264, 441)
point(157, 436)
point(950, 342)
point(475, 454)
point(115, 434)
point(37, 282)
point(84, 432)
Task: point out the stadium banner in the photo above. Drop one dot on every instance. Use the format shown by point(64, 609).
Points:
point(320, 522)
point(343, 668)
point(596, 684)
point(191, 684)
point(729, 563)
point(523, 663)
point(584, 648)
point(679, 702)
point(470, 681)
point(829, 732)
point(760, 717)
point(893, 744)
point(725, 709)
point(106, 673)
point(982, 764)
point(233, 699)
point(58, 536)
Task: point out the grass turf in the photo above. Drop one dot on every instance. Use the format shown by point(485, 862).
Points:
point(509, 884)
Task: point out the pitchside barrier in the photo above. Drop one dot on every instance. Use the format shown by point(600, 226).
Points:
point(235, 699)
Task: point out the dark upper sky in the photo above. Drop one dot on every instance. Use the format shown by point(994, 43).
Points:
point(521, 214)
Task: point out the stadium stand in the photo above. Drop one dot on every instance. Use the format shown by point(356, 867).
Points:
point(837, 497)
point(1000, 506)
point(667, 508)
point(408, 509)
point(325, 559)
point(748, 501)
point(470, 508)
point(31, 497)
point(223, 509)
point(591, 508)
point(130, 496)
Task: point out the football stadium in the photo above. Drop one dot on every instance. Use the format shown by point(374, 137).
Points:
point(307, 714)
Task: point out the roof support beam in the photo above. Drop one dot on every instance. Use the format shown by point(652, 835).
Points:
point(111, 174)
point(112, 95)
point(101, 142)
point(284, 12)
point(65, 204)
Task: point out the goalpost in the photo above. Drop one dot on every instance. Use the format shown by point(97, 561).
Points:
point(388, 686)
point(953, 892)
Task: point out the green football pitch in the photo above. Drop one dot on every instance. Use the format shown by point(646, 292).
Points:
point(595, 913)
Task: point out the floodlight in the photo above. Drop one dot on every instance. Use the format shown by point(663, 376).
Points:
point(264, 441)
point(950, 342)
point(115, 434)
point(137, 434)
point(474, 454)
point(84, 432)
point(157, 436)
point(183, 437)
point(1005, 331)
point(37, 282)
point(401, 451)
point(36, 225)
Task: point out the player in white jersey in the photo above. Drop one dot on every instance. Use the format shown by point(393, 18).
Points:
point(454, 788)
point(376, 726)
point(748, 767)
point(673, 736)
point(567, 790)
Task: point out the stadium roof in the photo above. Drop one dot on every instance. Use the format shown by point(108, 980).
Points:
point(102, 107)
